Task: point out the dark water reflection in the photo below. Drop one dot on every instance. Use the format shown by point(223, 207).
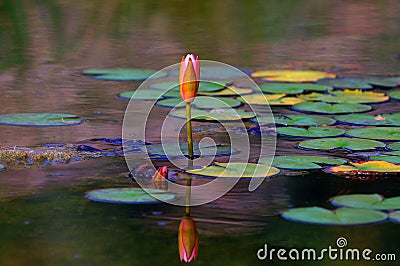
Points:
point(44, 219)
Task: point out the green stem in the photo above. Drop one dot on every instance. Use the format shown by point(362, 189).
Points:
point(188, 192)
point(189, 130)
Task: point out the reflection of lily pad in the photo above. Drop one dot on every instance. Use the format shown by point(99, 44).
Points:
point(302, 162)
point(304, 120)
point(236, 170)
point(394, 146)
point(370, 120)
point(40, 119)
point(124, 74)
point(202, 102)
point(378, 133)
point(395, 94)
point(311, 132)
point(129, 195)
point(340, 216)
point(391, 159)
point(352, 144)
point(394, 216)
point(347, 96)
point(367, 201)
point(141, 95)
point(292, 88)
point(214, 114)
point(292, 75)
point(176, 150)
point(228, 91)
point(328, 108)
point(366, 168)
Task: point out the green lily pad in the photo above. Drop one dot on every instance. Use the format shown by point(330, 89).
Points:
point(394, 94)
point(352, 144)
point(394, 146)
point(168, 150)
point(390, 82)
point(40, 119)
point(370, 120)
point(369, 168)
point(302, 162)
point(378, 133)
point(346, 83)
point(392, 153)
point(213, 115)
point(394, 216)
point(304, 120)
point(141, 95)
point(212, 72)
point(244, 170)
point(330, 108)
point(124, 74)
point(129, 195)
point(292, 88)
point(311, 132)
point(228, 91)
point(367, 201)
point(391, 159)
point(347, 96)
point(202, 102)
point(204, 86)
point(263, 120)
point(271, 99)
point(340, 216)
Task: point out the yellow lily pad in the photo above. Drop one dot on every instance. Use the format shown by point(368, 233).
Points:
point(366, 168)
point(347, 96)
point(292, 75)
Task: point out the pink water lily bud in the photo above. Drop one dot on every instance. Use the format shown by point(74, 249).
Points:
point(188, 239)
point(161, 174)
point(189, 77)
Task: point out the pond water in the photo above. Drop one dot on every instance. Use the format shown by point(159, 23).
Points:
point(44, 217)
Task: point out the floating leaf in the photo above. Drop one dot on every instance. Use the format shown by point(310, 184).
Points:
point(347, 96)
point(331, 108)
point(236, 170)
point(285, 101)
point(141, 95)
point(311, 132)
point(129, 195)
point(379, 133)
point(390, 159)
point(370, 120)
point(212, 72)
point(394, 94)
point(228, 91)
point(292, 88)
point(259, 99)
point(394, 216)
point(40, 119)
point(392, 153)
point(124, 74)
point(263, 120)
point(202, 102)
point(394, 146)
point(2, 168)
point(340, 216)
point(352, 144)
point(302, 162)
point(204, 86)
point(304, 120)
point(292, 75)
point(366, 168)
point(346, 83)
point(176, 150)
point(367, 201)
point(214, 114)
point(383, 81)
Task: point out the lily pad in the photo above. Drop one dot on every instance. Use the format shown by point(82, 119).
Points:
point(367, 201)
point(378, 133)
point(394, 216)
point(304, 120)
point(176, 150)
point(244, 170)
point(346, 83)
point(228, 91)
point(204, 86)
point(302, 162)
point(213, 115)
point(391, 159)
point(213, 72)
point(124, 74)
point(340, 216)
point(263, 120)
point(202, 102)
point(366, 168)
point(2, 168)
point(128, 195)
point(331, 108)
point(370, 120)
point(392, 153)
point(394, 94)
point(259, 99)
point(292, 75)
point(352, 144)
point(311, 132)
point(394, 146)
point(141, 95)
point(292, 88)
point(347, 96)
point(40, 119)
